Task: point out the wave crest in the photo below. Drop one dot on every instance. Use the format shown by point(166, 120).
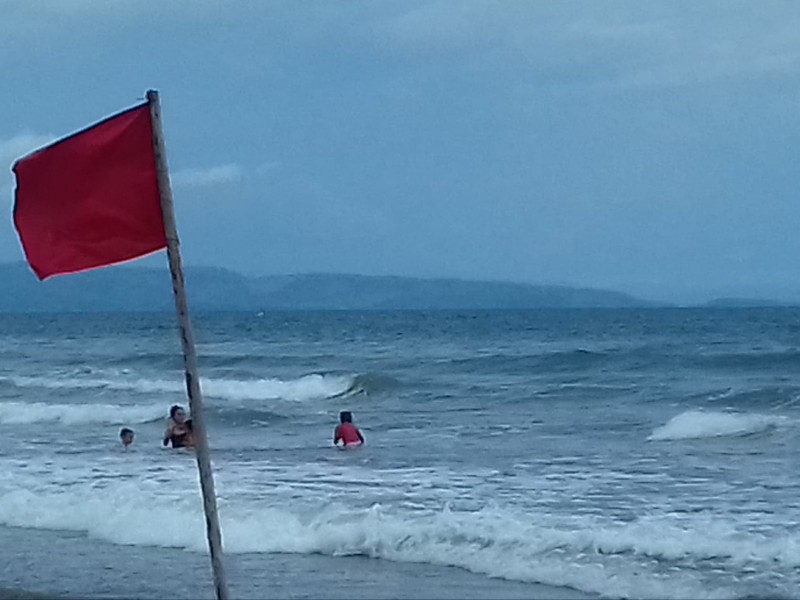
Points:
point(309, 387)
point(21, 413)
point(694, 424)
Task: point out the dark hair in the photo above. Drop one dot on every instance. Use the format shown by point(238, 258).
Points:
point(173, 409)
point(188, 425)
point(346, 416)
point(125, 431)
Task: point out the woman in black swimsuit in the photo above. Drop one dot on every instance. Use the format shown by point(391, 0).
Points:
point(177, 433)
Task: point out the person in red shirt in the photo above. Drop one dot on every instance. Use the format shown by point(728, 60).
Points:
point(347, 432)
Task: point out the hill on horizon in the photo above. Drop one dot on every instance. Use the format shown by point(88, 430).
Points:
point(143, 289)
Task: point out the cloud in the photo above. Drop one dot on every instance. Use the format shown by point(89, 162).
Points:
point(268, 167)
point(619, 45)
point(219, 175)
point(19, 145)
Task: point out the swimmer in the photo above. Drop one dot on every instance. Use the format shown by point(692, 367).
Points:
point(126, 437)
point(177, 433)
point(347, 432)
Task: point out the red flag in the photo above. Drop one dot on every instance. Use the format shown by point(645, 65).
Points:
point(90, 199)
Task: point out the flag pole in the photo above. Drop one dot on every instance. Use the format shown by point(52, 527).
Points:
point(189, 355)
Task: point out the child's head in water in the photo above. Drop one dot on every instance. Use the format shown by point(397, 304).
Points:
point(346, 416)
point(126, 436)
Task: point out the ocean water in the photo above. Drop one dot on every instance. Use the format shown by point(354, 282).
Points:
point(612, 453)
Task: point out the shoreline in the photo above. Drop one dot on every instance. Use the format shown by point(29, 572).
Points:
point(16, 594)
point(91, 568)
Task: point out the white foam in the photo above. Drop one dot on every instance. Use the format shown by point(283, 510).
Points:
point(18, 413)
point(309, 387)
point(700, 424)
point(597, 556)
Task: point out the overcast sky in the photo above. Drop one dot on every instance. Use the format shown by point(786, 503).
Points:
point(649, 147)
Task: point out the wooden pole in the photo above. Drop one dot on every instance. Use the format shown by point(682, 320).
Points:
point(189, 356)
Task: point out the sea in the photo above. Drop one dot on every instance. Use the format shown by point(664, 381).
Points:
point(637, 453)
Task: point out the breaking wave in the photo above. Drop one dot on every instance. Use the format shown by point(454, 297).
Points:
point(491, 541)
point(309, 387)
point(694, 424)
point(19, 413)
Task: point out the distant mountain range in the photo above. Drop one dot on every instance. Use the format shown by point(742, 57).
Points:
point(213, 289)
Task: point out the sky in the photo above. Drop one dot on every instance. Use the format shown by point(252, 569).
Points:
point(648, 147)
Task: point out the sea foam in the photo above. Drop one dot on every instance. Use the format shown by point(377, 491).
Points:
point(309, 387)
point(700, 424)
point(18, 413)
point(492, 541)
